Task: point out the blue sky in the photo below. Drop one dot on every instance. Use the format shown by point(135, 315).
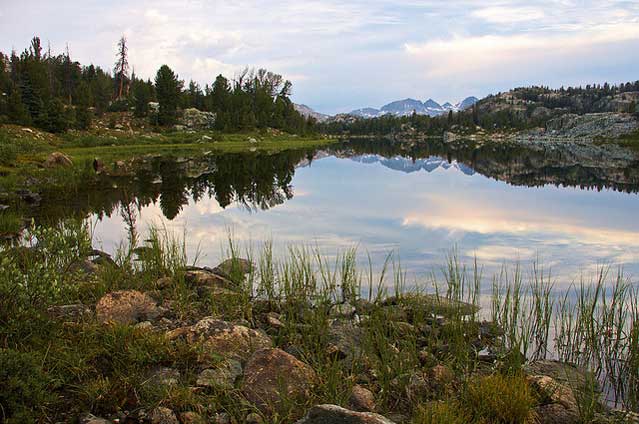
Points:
point(345, 55)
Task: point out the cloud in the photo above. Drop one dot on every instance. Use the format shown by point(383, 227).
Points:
point(508, 15)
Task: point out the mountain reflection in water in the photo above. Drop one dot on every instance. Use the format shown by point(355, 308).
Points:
point(496, 204)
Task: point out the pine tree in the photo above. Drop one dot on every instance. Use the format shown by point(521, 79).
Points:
point(16, 111)
point(142, 97)
point(121, 69)
point(168, 89)
point(83, 115)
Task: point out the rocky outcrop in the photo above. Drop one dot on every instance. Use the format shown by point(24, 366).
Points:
point(272, 377)
point(333, 414)
point(592, 125)
point(196, 119)
point(126, 307)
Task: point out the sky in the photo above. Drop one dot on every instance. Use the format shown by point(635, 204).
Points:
point(345, 55)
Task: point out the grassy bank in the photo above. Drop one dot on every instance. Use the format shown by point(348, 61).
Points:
point(424, 353)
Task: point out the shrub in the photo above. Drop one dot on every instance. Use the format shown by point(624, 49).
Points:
point(24, 390)
point(499, 399)
point(448, 412)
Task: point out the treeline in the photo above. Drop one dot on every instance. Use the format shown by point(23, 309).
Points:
point(518, 109)
point(56, 93)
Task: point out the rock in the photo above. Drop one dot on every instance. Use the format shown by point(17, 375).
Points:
point(254, 418)
point(164, 376)
point(27, 130)
point(227, 339)
point(231, 267)
point(221, 418)
point(333, 414)
point(126, 307)
point(84, 266)
point(223, 376)
point(98, 166)
point(203, 277)
point(273, 320)
point(555, 413)
point(361, 399)
point(554, 392)
point(252, 140)
point(193, 118)
point(162, 415)
point(92, 419)
point(591, 125)
point(192, 418)
point(58, 159)
point(70, 313)
point(344, 340)
point(144, 326)
point(342, 310)
point(271, 374)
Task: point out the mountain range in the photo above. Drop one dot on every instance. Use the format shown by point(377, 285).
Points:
point(408, 165)
point(398, 108)
point(407, 106)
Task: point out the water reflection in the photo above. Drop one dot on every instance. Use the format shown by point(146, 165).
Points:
point(495, 204)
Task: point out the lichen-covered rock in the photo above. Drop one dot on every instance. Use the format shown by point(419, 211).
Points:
point(164, 376)
point(126, 307)
point(272, 376)
point(227, 339)
point(333, 414)
point(361, 399)
point(223, 376)
point(193, 118)
point(344, 340)
point(203, 277)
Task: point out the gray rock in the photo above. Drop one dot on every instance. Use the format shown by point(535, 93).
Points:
point(342, 310)
point(225, 338)
point(254, 418)
point(58, 159)
point(70, 313)
point(333, 414)
point(196, 119)
point(272, 374)
point(223, 376)
point(164, 376)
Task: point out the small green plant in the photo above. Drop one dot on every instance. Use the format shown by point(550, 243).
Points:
point(438, 412)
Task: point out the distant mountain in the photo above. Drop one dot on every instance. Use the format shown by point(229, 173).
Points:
point(367, 112)
point(307, 111)
point(467, 102)
point(406, 107)
point(404, 164)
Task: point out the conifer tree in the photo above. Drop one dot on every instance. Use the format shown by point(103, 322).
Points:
point(168, 89)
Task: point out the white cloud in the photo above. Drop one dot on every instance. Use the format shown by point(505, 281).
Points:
point(508, 15)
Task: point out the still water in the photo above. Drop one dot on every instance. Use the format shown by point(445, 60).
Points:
point(418, 204)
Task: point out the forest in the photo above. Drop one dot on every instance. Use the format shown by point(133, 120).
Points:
point(55, 93)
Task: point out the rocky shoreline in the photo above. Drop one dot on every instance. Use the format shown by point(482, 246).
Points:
point(244, 355)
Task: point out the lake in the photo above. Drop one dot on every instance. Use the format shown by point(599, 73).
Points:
point(499, 206)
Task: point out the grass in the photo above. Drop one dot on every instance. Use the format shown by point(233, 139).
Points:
point(58, 370)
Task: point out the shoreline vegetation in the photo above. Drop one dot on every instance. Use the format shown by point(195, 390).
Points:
point(147, 336)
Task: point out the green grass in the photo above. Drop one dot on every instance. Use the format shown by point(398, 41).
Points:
point(59, 370)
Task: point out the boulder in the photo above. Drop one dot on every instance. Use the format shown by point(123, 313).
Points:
point(342, 310)
point(193, 118)
point(271, 375)
point(126, 307)
point(361, 399)
point(230, 267)
point(221, 418)
point(223, 376)
point(344, 340)
point(58, 159)
point(555, 413)
point(333, 414)
point(164, 376)
point(225, 338)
